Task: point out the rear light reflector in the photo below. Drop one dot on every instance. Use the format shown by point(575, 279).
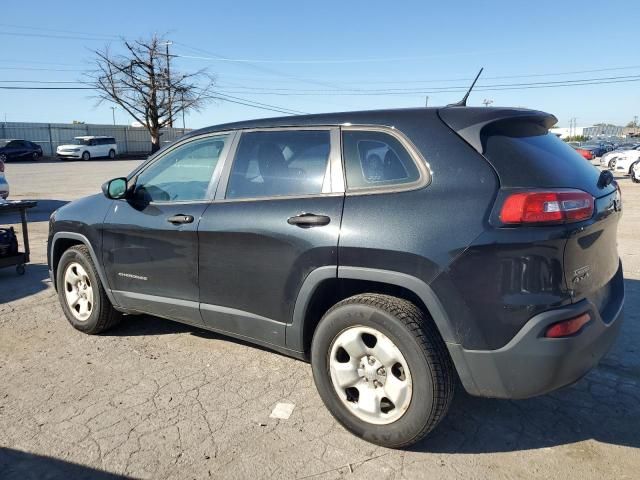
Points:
point(567, 328)
point(551, 206)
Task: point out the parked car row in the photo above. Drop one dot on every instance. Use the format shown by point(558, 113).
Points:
point(625, 160)
point(82, 148)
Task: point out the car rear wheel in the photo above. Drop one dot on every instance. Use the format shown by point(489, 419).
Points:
point(86, 156)
point(382, 369)
point(35, 156)
point(3, 157)
point(112, 154)
point(82, 296)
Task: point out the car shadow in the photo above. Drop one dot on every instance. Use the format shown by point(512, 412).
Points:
point(14, 286)
point(19, 465)
point(142, 325)
point(604, 406)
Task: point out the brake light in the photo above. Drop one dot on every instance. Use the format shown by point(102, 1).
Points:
point(551, 206)
point(567, 327)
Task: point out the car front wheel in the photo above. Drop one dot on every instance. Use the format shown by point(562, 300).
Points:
point(82, 296)
point(382, 369)
point(86, 156)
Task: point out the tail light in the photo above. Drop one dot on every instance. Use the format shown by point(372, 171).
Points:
point(567, 328)
point(548, 207)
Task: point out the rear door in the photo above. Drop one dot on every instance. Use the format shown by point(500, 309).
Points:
point(150, 241)
point(276, 218)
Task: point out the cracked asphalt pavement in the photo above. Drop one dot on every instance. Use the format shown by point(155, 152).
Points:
point(157, 399)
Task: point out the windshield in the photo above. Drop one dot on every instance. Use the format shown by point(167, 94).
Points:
point(81, 141)
point(3, 143)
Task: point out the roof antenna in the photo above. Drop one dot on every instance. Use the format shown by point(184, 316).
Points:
point(463, 102)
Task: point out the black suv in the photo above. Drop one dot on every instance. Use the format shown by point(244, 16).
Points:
point(397, 250)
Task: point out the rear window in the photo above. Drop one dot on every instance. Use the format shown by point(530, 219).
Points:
point(525, 155)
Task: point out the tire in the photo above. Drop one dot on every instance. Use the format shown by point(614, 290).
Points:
point(86, 156)
point(612, 164)
point(423, 370)
point(35, 156)
point(112, 154)
point(3, 157)
point(100, 314)
point(634, 171)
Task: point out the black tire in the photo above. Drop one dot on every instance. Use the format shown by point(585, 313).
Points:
point(35, 156)
point(86, 156)
point(103, 315)
point(634, 179)
point(112, 154)
point(420, 343)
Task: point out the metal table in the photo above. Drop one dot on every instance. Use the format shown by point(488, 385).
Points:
point(21, 258)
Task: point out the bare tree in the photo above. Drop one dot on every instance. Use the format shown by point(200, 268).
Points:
point(141, 82)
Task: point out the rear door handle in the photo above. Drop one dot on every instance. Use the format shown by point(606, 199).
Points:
point(176, 219)
point(308, 220)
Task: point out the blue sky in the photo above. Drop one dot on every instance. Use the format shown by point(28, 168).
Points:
point(329, 55)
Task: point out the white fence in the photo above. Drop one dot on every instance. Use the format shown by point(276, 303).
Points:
point(50, 135)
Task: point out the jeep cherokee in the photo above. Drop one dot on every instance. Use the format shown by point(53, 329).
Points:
point(397, 250)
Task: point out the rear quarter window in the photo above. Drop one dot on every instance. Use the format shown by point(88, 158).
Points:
point(376, 159)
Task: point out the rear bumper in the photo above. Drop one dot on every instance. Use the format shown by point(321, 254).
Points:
point(531, 364)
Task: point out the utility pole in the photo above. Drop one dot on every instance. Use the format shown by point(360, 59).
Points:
point(169, 100)
point(113, 113)
point(426, 101)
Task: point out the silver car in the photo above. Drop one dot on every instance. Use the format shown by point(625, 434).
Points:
point(4, 185)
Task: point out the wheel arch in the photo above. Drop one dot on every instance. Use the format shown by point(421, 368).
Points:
point(326, 286)
point(60, 243)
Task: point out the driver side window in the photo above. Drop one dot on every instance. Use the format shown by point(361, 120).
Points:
point(183, 174)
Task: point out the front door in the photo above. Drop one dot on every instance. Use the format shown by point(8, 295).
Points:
point(276, 220)
point(150, 241)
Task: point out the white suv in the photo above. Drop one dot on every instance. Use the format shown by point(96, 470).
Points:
point(88, 147)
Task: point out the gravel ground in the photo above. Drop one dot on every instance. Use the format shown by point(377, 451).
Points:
point(157, 399)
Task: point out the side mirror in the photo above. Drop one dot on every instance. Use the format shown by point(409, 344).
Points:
point(116, 188)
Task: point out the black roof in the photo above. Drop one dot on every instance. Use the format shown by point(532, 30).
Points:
point(388, 117)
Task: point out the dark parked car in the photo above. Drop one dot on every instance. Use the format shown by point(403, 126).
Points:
point(19, 150)
point(398, 250)
point(596, 149)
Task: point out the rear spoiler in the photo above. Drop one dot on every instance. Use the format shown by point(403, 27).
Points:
point(468, 122)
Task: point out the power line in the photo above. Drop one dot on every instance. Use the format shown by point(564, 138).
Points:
point(217, 58)
point(61, 37)
point(29, 27)
point(219, 96)
point(452, 89)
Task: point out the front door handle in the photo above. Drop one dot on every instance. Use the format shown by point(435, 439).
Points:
point(176, 219)
point(308, 220)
